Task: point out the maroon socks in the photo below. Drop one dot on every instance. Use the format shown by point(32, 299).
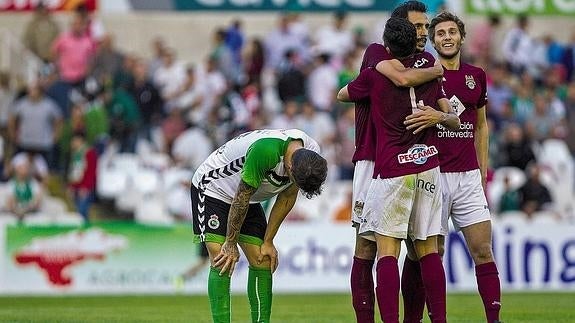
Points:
point(387, 289)
point(489, 289)
point(413, 292)
point(433, 276)
point(362, 293)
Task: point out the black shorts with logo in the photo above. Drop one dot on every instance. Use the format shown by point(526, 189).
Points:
point(211, 224)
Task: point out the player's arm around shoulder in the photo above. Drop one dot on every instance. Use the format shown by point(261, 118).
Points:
point(402, 76)
point(343, 95)
point(428, 117)
point(357, 89)
point(448, 118)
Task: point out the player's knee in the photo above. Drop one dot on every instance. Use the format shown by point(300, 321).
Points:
point(365, 249)
point(481, 253)
point(441, 250)
point(412, 255)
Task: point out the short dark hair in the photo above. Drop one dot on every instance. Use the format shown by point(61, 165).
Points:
point(309, 171)
point(444, 17)
point(403, 9)
point(400, 37)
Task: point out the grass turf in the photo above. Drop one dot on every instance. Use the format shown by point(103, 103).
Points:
point(333, 308)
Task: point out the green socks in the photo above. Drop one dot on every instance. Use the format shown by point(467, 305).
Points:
point(219, 295)
point(260, 294)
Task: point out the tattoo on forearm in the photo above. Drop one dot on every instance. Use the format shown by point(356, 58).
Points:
point(238, 210)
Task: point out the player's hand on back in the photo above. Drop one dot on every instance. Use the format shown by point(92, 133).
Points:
point(438, 68)
point(228, 257)
point(267, 249)
point(426, 117)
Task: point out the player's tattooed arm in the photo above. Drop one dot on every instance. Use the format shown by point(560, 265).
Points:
point(229, 254)
point(282, 206)
point(402, 76)
point(238, 210)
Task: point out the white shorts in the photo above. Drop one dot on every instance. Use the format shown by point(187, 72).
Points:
point(463, 200)
point(362, 177)
point(404, 206)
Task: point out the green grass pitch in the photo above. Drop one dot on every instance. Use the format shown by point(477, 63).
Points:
point(333, 308)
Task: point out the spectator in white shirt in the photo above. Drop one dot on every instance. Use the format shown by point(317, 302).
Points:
point(319, 125)
point(286, 120)
point(335, 39)
point(322, 83)
point(191, 148)
point(170, 76)
point(518, 46)
point(278, 41)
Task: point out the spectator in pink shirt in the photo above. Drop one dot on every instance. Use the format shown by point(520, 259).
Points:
point(73, 51)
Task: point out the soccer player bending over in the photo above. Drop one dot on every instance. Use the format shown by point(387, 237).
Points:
point(404, 198)
point(226, 193)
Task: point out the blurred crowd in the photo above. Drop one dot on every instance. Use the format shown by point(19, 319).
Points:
point(92, 100)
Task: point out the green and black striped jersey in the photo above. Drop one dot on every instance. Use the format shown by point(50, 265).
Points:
point(256, 157)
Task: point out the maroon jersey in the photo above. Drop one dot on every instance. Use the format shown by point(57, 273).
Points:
point(467, 91)
point(398, 151)
point(364, 131)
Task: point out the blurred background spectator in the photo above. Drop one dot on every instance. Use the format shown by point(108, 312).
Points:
point(156, 112)
point(533, 195)
point(25, 192)
point(82, 175)
point(41, 32)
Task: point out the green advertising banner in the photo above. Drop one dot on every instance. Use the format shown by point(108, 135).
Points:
point(286, 5)
point(514, 7)
point(114, 257)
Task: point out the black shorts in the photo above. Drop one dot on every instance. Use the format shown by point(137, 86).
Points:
point(211, 224)
point(203, 250)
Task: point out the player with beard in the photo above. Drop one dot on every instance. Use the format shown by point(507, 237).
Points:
point(404, 196)
point(362, 286)
point(463, 160)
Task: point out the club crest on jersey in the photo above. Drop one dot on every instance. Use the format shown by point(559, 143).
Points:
point(470, 81)
point(213, 222)
point(358, 207)
point(417, 154)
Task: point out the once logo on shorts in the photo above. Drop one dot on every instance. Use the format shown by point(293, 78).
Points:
point(417, 154)
point(213, 222)
point(425, 185)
